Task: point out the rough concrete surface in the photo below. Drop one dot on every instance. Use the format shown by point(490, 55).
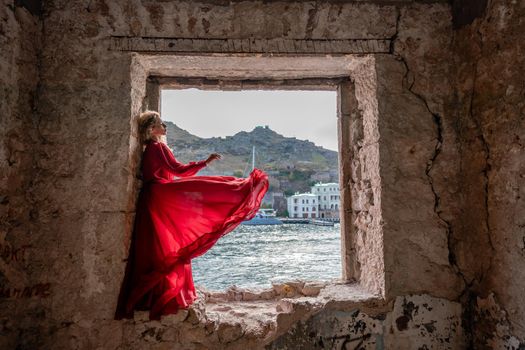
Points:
point(491, 91)
point(432, 169)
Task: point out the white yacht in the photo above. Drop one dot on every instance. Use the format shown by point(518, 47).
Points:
point(264, 217)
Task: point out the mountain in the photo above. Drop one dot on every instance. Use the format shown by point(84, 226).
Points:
point(293, 165)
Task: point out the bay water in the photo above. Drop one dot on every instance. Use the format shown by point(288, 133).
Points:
point(256, 256)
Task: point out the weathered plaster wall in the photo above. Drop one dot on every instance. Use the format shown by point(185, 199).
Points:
point(19, 288)
point(360, 181)
point(491, 123)
point(86, 176)
point(424, 45)
point(442, 231)
point(77, 170)
point(84, 190)
point(414, 234)
point(415, 322)
point(247, 19)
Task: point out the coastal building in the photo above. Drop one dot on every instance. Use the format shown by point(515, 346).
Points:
point(303, 205)
point(328, 199)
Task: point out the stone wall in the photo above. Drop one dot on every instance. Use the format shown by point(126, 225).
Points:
point(490, 108)
point(446, 194)
point(427, 143)
point(85, 188)
point(415, 322)
point(20, 289)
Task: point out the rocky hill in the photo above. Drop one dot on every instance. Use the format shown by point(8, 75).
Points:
point(293, 165)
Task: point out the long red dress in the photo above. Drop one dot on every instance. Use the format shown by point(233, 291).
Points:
point(177, 220)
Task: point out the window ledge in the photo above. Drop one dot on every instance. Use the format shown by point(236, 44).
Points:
point(271, 312)
point(268, 313)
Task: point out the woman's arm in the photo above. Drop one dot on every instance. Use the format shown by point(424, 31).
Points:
point(179, 169)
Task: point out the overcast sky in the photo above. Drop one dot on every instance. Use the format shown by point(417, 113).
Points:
point(307, 115)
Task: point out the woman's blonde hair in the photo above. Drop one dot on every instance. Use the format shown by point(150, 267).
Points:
point(146, 121)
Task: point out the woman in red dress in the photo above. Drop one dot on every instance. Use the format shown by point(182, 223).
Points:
point(178, 219)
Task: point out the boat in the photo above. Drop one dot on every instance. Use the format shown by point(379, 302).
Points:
point(321, 222)
point(264, 217)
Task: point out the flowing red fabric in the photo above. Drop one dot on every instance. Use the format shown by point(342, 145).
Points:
point(177, 220)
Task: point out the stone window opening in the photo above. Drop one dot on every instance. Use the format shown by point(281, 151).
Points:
point(344, 74)
point(174, 83)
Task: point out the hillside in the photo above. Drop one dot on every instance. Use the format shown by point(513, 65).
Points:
point(293, 165)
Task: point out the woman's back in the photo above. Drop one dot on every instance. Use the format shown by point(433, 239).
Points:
point(160, 166)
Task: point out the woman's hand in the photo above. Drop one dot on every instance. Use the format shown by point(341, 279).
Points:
point(212, 157)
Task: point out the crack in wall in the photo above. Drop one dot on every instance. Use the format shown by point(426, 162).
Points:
point(469, 298)
point(313, 19)
point(475, 316)
point(437, 120)
point(393, 38)
point(486, 150)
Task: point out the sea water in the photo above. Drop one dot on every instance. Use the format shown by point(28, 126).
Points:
point(256, 256)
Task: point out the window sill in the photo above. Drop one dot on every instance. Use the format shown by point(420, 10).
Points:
point(266, 314)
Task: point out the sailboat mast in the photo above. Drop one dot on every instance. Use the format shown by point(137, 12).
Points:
point(253, 157)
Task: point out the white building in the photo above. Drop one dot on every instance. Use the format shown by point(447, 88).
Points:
point(303, 205)
point(328, 199)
